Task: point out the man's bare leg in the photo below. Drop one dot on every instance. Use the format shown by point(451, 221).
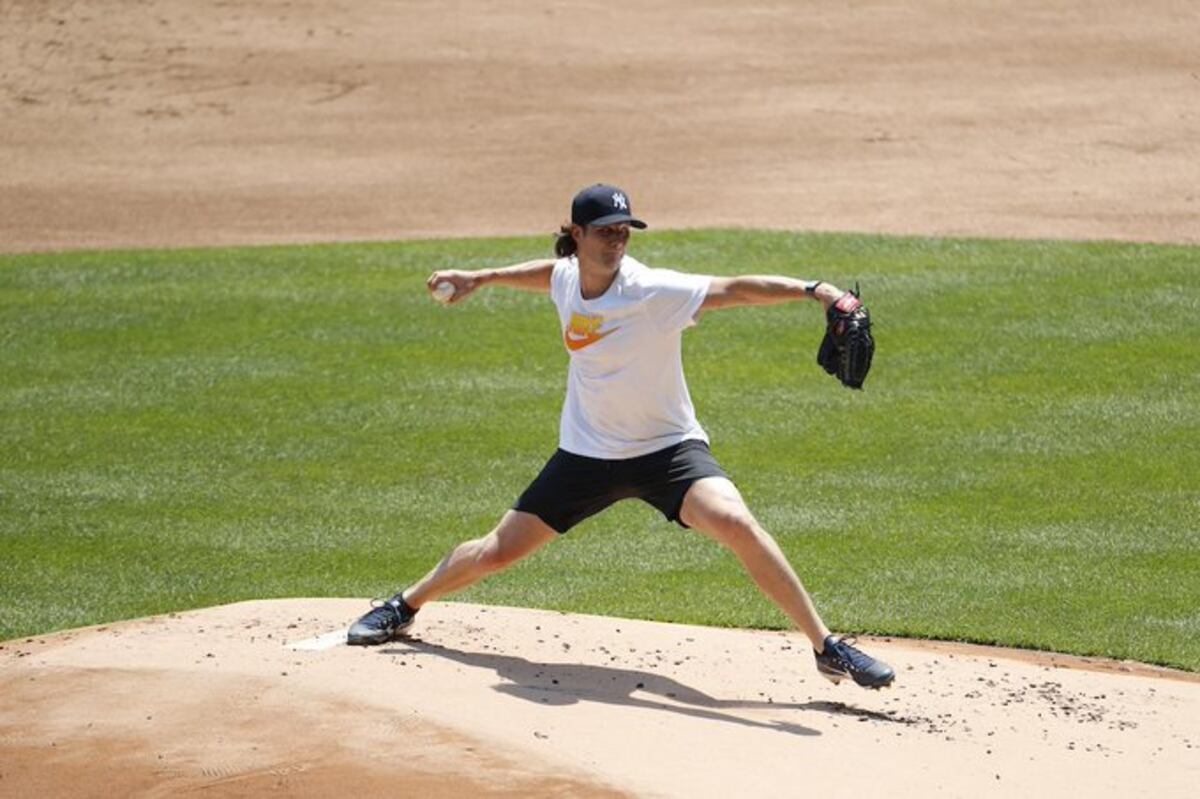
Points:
point(518, 535)
point(714, 506)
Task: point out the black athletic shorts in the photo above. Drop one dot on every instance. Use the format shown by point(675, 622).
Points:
point(571, 487)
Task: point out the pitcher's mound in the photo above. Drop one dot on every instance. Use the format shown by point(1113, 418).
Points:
point(265, 696)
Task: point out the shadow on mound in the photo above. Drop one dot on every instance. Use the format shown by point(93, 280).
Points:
point(568, 684)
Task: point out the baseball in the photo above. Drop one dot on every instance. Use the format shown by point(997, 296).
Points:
point(443, 291)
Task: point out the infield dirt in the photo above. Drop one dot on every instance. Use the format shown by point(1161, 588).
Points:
point(167, 123)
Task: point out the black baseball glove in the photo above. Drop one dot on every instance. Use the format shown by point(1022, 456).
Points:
point(847, 348)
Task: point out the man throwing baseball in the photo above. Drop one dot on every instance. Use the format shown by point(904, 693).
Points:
point(628, 428)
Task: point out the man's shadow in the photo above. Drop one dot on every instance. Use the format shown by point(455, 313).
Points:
point(569, 683)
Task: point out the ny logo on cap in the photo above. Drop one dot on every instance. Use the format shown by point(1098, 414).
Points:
point(619, 201)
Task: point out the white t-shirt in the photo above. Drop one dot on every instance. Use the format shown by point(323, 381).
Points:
point(626, 395)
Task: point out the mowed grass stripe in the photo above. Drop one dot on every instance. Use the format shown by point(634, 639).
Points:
point(192, 427)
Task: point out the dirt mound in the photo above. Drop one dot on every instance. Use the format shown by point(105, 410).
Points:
point(499, 701)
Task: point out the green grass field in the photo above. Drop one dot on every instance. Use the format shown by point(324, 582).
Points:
point(181, 429)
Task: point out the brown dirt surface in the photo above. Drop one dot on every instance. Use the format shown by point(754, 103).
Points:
point(166, 123)
point(174, 123)
point(265, 696)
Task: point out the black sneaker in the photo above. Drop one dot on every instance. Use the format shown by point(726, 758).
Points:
point(385, 621)
point(840, 659)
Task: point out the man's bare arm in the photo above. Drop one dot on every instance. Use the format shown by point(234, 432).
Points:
point(527, 276)
point(735, 292)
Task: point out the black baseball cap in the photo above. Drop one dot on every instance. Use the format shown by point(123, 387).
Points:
point(602, 205)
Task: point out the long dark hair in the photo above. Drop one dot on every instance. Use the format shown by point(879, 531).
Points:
point(564, 245)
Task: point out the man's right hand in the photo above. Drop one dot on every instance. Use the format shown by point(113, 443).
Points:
point(463, 282)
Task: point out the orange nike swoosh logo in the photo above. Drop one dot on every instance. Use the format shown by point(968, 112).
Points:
point(577, 341)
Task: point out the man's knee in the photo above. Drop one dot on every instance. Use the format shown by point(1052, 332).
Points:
point(734, 527)
point(502, 548)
